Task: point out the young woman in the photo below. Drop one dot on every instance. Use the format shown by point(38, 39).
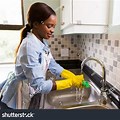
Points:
point(34, 58)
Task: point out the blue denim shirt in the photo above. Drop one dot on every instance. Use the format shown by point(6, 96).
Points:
point(33, 60)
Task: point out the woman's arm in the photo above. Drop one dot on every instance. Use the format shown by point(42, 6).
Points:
point(55, 68)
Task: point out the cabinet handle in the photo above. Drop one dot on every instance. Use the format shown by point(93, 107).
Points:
point(62, 23)
point(63, 7)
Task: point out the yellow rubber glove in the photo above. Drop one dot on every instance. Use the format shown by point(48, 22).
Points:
point(75, 81)
point(63, 84)
point(67, 74)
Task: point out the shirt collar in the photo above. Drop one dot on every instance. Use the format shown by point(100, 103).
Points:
point(43, 45)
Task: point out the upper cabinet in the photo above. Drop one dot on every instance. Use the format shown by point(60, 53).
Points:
point(114, 18)
point(84, 16)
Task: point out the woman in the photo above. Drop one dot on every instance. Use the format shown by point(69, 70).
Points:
point(34, 57)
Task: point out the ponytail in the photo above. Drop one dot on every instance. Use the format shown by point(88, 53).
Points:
point(24, 31)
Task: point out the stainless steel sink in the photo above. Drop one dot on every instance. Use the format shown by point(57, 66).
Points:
point(94, 106)
point(70, 99)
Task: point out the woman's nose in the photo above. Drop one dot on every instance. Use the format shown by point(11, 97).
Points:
point(52, 30)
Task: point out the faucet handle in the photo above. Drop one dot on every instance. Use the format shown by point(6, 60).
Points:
point(103, 98)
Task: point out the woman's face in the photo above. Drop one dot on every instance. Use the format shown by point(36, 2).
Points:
point(45, 29)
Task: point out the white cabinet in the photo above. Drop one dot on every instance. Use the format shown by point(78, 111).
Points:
point(66, 13)
point(114, 18)
point(84, 16)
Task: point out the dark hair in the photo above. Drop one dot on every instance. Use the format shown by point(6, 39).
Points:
point(38, 12)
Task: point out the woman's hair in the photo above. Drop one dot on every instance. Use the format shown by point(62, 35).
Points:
point(38, 12)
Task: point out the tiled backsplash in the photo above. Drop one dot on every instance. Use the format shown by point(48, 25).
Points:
point(105, 47)
point(69, 41)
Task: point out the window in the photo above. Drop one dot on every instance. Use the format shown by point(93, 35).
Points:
point(9, 39)
point(11, 14)
point(11, 21)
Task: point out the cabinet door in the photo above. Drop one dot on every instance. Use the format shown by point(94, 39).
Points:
point(114, 19)
point(66, 13)
point(93, 12)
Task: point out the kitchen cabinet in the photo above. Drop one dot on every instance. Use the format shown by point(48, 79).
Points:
point(84, 16)
point(114, 17)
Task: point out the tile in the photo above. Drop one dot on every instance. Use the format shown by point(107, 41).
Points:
point(111, 68)
point(116, 43)
point(109, 42)
point(118, 58)
point(114, 36)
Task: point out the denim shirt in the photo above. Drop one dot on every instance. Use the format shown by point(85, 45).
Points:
point(34, 58)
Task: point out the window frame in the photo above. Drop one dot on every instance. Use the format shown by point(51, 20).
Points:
point(14, 27)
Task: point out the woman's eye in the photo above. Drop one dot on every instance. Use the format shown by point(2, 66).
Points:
point(50, 26)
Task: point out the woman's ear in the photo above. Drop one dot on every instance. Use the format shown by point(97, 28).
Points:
point(36, 24)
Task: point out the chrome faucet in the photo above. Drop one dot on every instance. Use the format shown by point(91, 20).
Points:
point(103, 97)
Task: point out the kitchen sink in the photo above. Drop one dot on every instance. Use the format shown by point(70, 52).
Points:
point(70, 97)
point(74, 98)
point(94, 106)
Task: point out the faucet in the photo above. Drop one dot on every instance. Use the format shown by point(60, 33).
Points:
point(103, 96)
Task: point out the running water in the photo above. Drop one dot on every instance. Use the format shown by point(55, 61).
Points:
point(79, 94)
